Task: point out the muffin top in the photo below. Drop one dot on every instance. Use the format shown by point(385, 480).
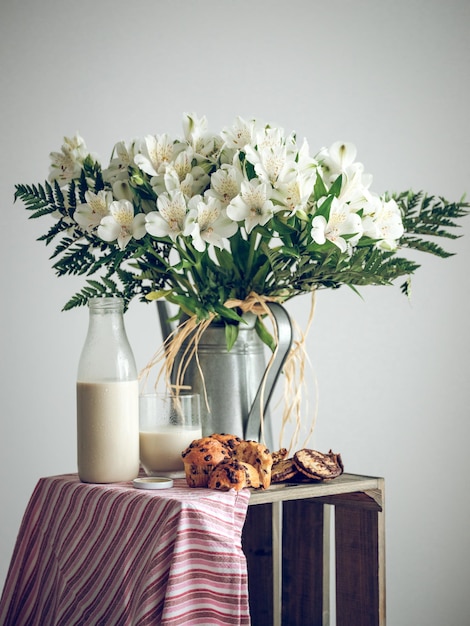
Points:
point(206, 451)
point(231, 441)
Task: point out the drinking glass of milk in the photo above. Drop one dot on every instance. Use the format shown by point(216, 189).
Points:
point(167, 425)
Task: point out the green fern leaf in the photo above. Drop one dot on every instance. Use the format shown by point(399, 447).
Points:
point(82, 187)
point(56, 229)
point(429, 216)
point(427, 246)
point(76, 258)
point(34, 199)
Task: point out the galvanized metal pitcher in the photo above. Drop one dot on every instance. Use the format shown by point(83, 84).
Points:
point(233, 381)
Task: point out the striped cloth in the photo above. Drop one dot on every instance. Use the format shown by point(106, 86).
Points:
point(113, 555)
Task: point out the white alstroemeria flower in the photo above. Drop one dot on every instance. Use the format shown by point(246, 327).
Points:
point(183, 162)
point(295, 192)
point(339, 157)
point(67, 164)
point(297, 180)
point(355, 190)
point(193, 126)
point(306, 164)
point(75, 145)
point(385, 224)
point(154, 154)
point(270, 163)
point(269, 138)
point(241, 134)
point(226, 183)
point(253, 204)
point(121, 224)
point(188, 186)
point(172, 217)
point(211, 224)
point(122, 190)
point(341, 222)
point(200, 180)
point(123, 158)
point(197, 135)
point(274, 157)
point(339, 160)
point(191, 184)
point(90, 214)
point(171, 180)
point(355, 185)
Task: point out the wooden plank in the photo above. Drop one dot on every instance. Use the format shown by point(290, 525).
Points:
point(302, 563)
point(326, 564)
point(371, 499)
point(360, 566)
point(346, 483)
point(257, 542)
point(277, 512)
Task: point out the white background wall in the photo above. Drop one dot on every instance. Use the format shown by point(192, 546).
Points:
point(392, 77)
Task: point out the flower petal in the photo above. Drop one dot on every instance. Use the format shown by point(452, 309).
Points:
point(109, 229)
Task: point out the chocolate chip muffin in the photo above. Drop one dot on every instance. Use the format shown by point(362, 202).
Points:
point(259, 456)
point(201, 457)
point(233, 475)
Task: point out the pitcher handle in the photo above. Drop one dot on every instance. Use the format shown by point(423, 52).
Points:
point(284, 334)
point(163, 316)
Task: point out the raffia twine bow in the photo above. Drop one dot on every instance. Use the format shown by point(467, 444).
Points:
point(187, 336)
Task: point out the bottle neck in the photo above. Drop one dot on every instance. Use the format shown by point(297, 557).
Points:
point(106, 317)
point(106, 354)
point(106, 321)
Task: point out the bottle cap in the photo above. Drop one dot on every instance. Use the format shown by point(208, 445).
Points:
point(153, 482)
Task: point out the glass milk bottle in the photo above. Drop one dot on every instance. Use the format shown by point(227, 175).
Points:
point(107, 398)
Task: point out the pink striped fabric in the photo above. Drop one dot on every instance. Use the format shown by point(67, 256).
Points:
point(113, 555)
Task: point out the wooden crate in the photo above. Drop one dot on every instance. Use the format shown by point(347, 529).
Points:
point(286, 540)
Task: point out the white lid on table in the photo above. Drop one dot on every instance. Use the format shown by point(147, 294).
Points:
point(153, 482)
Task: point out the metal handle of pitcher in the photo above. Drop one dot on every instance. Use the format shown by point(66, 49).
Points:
point(284, 334)
point(163, 316)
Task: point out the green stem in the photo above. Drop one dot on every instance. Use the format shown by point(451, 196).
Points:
point(179, 280)
point(251, 252)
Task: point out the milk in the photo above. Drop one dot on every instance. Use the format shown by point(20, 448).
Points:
point(108, 431)
point(160, 451)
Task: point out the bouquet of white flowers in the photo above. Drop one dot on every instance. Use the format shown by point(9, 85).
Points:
point(209, 219)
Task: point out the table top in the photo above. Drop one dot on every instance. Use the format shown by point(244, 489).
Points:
point(118, 555)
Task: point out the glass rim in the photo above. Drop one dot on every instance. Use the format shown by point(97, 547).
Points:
point(104, 302)
point(167, 394)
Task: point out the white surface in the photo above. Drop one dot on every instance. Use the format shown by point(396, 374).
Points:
point(393, 375)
